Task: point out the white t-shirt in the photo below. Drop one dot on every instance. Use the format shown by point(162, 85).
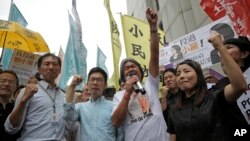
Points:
point(144, 120)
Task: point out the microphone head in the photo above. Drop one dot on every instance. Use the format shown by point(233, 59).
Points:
point(131, 73)
point(143, 91)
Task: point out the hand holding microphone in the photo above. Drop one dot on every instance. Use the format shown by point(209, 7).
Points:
point(137, 86)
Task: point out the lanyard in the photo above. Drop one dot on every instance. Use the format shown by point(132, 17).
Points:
point(53, 100)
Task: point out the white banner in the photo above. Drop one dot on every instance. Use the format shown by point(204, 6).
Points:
point(195, 46)
point(244, 100)
point(24, 64)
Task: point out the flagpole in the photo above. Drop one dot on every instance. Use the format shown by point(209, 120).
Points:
point(5, 36)
point(10, 9)
point(3, 47)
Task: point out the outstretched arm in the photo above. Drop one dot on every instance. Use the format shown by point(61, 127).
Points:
point(121, 111)
point(70, 113)
point(154, 42)
point(70, 92)
point(238, 84)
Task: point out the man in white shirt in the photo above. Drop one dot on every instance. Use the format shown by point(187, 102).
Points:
point(140, 113)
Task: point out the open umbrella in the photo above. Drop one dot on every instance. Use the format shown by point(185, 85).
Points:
point(14, 35)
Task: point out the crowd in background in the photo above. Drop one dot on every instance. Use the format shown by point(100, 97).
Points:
point(193, 106)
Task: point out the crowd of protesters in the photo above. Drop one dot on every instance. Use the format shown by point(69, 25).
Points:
point(189, 109)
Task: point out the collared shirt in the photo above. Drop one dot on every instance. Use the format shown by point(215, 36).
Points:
point(94, 117)
point(36, 121)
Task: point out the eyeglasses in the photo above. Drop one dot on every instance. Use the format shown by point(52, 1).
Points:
point(12, 82)
point(98, 80)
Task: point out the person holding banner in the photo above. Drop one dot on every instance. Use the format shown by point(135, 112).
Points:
point(239, 49)
point(199, 114)
point(137, 108)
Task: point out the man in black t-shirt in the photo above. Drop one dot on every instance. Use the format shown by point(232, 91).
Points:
point(8, 85)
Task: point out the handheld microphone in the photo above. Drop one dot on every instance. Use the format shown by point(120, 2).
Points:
point(137, 86)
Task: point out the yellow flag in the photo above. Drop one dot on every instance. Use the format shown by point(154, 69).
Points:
point(116, 46)
point(137, 40)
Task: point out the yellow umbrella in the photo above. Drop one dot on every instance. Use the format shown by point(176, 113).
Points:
point(14, 35)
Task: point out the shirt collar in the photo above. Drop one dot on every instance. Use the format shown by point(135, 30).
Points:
point(98, 100)
point(46, 85)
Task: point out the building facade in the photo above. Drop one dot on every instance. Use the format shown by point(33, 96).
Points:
point(176, 17)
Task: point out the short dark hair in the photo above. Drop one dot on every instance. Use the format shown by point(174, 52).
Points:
point(243, 44)
point(173, 70)
point(39, 62)
point(100, 70)
point(13, 73)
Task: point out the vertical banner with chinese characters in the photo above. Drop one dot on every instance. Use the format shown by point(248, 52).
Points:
point(24, 64)
point(137, 40)
point(116, 46)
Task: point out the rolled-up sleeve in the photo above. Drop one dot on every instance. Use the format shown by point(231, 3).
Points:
point(70, 112)
point(9, 128)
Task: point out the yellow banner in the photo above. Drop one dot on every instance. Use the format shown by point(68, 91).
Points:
point(137, 40)
point(116, 46)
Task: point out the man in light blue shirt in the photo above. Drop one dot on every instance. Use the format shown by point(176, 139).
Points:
point(94, 115)
point(39, 107)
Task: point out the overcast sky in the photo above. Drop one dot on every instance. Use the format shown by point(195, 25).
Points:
point(50, 19)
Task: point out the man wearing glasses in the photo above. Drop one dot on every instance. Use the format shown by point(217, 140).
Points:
point(94, 115)
point(8, 85)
